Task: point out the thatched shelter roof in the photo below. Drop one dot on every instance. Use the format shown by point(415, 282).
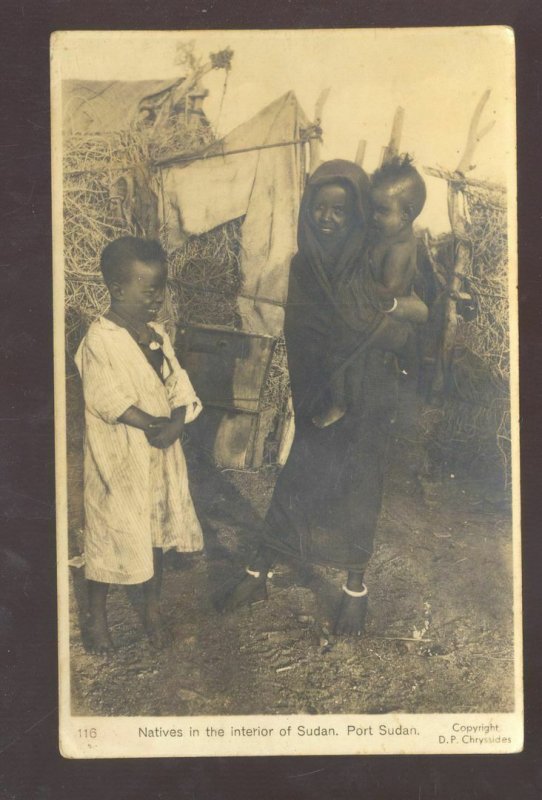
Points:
point(107, 106)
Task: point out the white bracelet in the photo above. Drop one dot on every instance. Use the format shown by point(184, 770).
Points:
point(256, 574)
point(394, 306)
point(351, 593)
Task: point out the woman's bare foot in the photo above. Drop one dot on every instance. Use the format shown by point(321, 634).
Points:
point(99, 638)
point(159, 635)
point(333, 414)
point(350, 620)
point(247, 591)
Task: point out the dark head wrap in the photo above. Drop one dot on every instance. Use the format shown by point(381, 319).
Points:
point(326, 297)
point(334, 267)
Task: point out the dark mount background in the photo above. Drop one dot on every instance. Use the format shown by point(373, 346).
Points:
point(30, 766)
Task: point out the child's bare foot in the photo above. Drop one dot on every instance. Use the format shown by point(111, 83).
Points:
point(333, 414)
point(249, 590)
point(159, 635)
point(99, 638)
point(350, 620)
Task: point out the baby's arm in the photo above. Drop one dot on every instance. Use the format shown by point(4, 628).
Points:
point(397, 275)
point(410, 309)
point(397, 271)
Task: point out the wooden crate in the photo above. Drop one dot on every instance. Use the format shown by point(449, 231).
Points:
point(228, 369)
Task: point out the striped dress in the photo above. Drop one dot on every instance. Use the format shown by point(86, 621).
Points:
point(136, 497)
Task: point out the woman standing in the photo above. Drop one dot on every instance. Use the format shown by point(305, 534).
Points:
point(327, 499)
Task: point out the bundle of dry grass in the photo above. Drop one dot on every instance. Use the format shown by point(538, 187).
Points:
point(488, 334)
point(205, 277)
point(87, 155)
point(183, 135)
point(473, 427)
point(277, 387)
point(475, 438)
point(92, 164)
point(470, 431)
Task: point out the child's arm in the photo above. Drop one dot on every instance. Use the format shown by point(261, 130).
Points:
point(106, 395)
point(166, 433)
point(181, 395)
point(179, 389)
point(137, 418)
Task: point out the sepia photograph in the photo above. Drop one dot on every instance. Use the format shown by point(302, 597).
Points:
point(286, 392)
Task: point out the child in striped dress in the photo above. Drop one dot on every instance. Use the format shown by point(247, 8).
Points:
point(137, 400)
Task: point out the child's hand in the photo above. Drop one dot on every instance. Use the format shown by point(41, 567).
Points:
point(164, 432)
point(163, 436)
point(155, 427)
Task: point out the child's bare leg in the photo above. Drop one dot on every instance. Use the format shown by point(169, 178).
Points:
point(333, 414)
point(251, 587)
point(157, 632)
point(350, 620)
point(337, 409)
point(392, 335)
point(98, 631)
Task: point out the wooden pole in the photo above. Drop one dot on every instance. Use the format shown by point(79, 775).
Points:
point(396, 131)
point(315, 142)
point(314, 154)
point(360, 152)
point(392, 148)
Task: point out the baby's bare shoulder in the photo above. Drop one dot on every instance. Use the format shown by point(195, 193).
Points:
point(384, 250)
point(403, 249)
point(399, 254)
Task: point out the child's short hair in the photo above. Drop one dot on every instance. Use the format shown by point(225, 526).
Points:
point(118, 255)
point(409, 185)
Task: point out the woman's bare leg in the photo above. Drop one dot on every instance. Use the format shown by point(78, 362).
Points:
point(350, 620)
point(98, 630)
point(157, 632)
point(251, 587)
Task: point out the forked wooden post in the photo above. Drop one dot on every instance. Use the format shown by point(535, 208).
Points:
point(460, 224)
point(163, 102)
point(315, 141)
point(474, 135)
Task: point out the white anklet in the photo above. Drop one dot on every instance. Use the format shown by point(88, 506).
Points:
point(256, 574)
point(351, 593)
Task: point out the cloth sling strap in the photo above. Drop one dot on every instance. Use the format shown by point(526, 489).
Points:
point(354, 355)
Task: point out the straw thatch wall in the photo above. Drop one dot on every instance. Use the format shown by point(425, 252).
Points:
point(471, 429)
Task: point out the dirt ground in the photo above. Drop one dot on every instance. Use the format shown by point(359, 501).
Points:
point(439, 632)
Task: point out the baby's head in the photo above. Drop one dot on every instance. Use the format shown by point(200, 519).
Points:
point(135, 273)
point(398, 195)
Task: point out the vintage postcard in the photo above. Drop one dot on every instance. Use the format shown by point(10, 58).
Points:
point(286, 384)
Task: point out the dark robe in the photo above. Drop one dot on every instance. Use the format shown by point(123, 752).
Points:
point(327, 499)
